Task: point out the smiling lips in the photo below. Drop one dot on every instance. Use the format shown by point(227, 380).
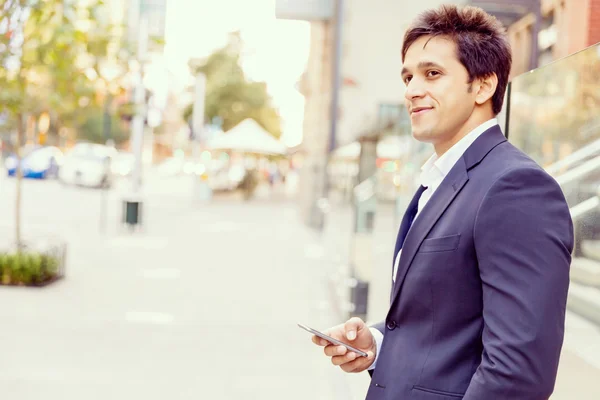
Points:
point(419, 110)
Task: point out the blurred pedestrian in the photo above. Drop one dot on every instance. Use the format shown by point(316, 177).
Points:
point(249, 183)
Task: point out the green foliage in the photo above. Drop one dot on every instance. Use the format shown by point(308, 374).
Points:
point(91, 128)
point(230, 95)
point(51, 45)
point(27, 268)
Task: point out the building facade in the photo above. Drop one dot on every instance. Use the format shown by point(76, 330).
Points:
point(543, 31)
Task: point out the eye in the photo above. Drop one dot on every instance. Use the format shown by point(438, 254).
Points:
point(407, 79)
point(433, 74)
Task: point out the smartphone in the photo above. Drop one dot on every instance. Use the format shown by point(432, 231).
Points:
point(332, 340)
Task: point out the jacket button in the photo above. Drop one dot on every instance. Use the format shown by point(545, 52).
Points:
point(391, 325)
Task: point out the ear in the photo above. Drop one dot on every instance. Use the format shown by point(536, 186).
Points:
point(486, 88)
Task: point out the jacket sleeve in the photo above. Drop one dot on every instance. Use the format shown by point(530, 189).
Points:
point(523, 239)
point(380, 326)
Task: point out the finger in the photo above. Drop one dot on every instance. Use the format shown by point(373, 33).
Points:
point(359, 364)
point(353, 326)
point(319, 341)
point(346, 358)
point(332, 350)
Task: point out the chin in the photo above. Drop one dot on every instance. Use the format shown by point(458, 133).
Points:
point(424, 135)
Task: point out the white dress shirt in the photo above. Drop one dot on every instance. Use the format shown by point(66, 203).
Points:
point(433, 173)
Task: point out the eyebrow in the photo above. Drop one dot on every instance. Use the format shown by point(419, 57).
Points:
point(422, 65)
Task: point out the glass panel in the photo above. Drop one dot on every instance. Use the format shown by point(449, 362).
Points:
point(555, 118)
point(555, 110)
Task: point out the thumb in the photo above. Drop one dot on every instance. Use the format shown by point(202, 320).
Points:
point(352, 326)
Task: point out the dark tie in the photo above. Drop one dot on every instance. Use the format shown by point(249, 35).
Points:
point(407, 220)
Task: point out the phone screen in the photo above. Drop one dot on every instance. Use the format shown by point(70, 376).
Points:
point(332, 340)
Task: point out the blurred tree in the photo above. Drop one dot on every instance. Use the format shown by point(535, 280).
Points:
point(91, 129)
point(46, 47)
point(230, 95)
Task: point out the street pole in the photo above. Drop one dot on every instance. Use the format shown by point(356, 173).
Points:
point(335, 74)
point(321, 204)
point(137, 133)
point(200, 188)
point(132, 212)
point(106, 128)
point(107, 122)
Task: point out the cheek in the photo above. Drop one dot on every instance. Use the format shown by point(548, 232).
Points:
point(454, 101)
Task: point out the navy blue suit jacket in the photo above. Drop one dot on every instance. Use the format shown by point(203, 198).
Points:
point(478, 308)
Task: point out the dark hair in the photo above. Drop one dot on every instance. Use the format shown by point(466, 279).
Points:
point(480, 38)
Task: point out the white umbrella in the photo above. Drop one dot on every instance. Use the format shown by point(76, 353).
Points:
point(249, 137)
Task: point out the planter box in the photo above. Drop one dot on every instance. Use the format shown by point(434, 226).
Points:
point(35, 263)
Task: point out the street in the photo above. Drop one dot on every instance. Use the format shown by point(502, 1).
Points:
point(202, 303)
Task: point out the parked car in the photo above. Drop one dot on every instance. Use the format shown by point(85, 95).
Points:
point(88, 164)
point(123, 164)
point(38, 162)
point(178, 166)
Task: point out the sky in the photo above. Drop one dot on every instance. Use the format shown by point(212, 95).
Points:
point(276, 50)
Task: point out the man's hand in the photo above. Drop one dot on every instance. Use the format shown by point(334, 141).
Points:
point(357, 334)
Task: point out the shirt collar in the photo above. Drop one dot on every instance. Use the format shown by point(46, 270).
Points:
point(436, 168)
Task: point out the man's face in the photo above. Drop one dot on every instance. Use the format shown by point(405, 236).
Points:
point(439, 98)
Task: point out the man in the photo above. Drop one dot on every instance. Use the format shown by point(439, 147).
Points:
point(481, 264)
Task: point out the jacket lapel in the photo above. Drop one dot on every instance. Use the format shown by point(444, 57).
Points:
point(441, 199)
point(432, 211)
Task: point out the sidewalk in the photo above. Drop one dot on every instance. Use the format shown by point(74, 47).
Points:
point(579, 369)
point(201, 305)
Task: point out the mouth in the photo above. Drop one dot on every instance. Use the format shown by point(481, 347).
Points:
point(420, 110)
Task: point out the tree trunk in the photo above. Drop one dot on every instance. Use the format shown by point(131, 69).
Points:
point(19, 176)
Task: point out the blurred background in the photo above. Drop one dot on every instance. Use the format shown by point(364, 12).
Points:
point(183, 181)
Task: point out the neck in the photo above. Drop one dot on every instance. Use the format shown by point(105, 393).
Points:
point(443, 146)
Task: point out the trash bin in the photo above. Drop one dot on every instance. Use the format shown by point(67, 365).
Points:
point(132, 212)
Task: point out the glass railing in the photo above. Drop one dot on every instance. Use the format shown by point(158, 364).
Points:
point(555, 110)
point(555, 119)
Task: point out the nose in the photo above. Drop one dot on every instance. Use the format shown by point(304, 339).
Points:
point(414, 90)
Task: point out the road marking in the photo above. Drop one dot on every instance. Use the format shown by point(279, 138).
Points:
point(223, 226)
point(161, 273)
point(142, 317)
point(148, 243)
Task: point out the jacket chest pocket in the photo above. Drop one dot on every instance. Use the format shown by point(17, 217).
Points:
point(439, 244)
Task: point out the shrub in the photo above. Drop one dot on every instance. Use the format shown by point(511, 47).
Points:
point(28, 267)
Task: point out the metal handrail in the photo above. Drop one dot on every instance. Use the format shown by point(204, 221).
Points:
point(580, 171)
point(584, 207)
point(575, 157)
